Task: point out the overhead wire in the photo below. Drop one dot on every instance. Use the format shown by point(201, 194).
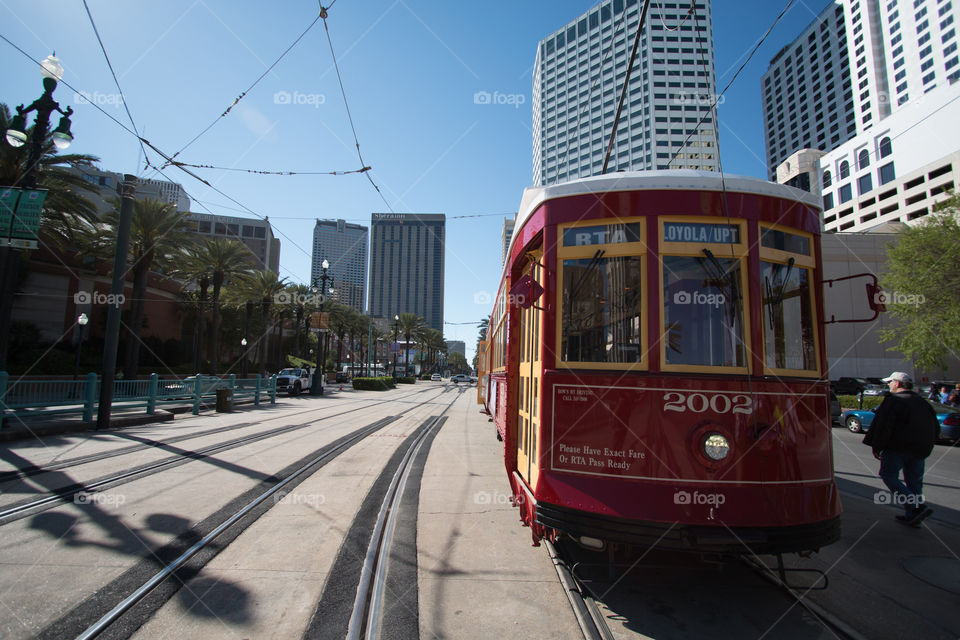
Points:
point(336, 66)
point(247, 90)
point(273, 173)
point(717, 98)
point(113, 73)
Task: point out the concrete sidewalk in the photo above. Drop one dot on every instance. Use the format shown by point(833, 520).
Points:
point(479, 576)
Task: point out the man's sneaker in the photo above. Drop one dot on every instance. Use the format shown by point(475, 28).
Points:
point(920, 516)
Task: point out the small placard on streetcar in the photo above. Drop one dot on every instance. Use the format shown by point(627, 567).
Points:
point(703, 232)
point(601, 234)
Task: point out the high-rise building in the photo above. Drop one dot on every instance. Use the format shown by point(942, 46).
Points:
point(857, 63)
point(407, 265)
point(108, 189)
point(873, 86)
point(807, 91)
point(257, 235)
point(505, 236)
point(344, 247)
point(578, 76)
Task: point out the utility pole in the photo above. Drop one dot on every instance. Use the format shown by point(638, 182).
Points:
point(112, 336)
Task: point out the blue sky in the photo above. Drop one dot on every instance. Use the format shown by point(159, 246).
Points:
point(410, 69)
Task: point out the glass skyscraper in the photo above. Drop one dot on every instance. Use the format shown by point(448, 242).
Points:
point(344, 246)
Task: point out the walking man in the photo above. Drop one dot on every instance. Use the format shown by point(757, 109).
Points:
point(902, 436)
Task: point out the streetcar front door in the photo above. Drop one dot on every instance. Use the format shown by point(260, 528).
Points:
point(529, 381)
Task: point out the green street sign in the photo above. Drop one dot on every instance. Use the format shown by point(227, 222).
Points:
point(8, 200)
point(26, 223)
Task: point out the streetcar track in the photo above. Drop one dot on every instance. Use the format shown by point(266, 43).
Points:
point(353, 598)
point(65, 494)
point(33, 470)
point(140, 591)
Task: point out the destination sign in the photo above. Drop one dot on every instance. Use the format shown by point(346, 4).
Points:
point(601, 234)
point(703, 232)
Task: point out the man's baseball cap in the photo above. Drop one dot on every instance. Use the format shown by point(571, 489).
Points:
point(899, 376)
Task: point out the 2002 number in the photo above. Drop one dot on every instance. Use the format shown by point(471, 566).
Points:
point(700, 402)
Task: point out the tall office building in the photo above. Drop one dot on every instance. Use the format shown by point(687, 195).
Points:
point(344, 247)
point(406, 266)
point(857, 63)
point(578, 76)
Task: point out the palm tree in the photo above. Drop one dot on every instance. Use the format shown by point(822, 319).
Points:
point(301, 301)
point(262, 287)
point(157, 231)
point(410, 325)
point(339, 326)
point(225, 260)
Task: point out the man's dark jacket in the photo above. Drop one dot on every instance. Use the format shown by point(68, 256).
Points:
point(904, 422)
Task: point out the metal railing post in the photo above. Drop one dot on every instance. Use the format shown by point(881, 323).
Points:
point(89, 397)
point(256, 393)
point(196, 395)
point(4, 377)
point(152, 394)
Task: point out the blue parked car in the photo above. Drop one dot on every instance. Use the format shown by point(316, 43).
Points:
point(859, 420)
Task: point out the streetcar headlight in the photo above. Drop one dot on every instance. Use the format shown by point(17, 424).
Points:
point(716, 447)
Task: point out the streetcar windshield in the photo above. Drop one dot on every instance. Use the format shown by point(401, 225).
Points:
point(602, 309)
point(703, 311)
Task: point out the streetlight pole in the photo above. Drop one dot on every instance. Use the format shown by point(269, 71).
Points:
point(316, 384)
point(243, 364)
point(82, 321)
point(16, 136)
point(396, 343)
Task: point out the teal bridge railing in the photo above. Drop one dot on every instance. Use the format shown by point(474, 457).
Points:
point(32, 398)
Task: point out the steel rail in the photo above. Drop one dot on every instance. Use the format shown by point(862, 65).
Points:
point(592, 624)
point(7, 515)
point(123, 606)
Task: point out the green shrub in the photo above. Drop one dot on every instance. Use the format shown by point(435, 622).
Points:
point(373, 384)
point(852, 402)
point(407, 380)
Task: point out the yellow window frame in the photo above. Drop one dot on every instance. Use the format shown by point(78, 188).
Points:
point(611, 250)
point(735, 250)
point(803, 262)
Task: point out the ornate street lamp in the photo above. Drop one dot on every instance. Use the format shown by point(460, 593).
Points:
point(16, 136)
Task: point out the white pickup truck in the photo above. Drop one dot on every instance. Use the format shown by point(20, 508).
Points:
point(293, 381)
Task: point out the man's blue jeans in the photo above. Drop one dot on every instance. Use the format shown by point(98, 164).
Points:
point(908, 493)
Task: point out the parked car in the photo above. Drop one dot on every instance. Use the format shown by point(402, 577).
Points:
point(848, 386)
point(875, 390)
point(859, 421)
point(460, 378)
point(293, 381)
point(836, 411)
point(436, 377)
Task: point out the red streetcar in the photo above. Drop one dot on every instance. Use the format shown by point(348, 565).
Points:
point(656, 365)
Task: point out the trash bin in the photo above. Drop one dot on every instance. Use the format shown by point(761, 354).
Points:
point(224, 400)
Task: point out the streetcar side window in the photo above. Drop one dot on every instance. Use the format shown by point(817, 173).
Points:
point(789, 328)
point(602, 309)
point(601, 321)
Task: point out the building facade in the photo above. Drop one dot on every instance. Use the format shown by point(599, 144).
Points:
point(578, 75)
point(897, 170)
point(407, 266)
point(108, 185)
point(858, 63)
point(456, 346)
point(344, 247)
point(257, 235)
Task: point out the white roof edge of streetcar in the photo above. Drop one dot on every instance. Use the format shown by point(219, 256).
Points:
point(533, 197)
